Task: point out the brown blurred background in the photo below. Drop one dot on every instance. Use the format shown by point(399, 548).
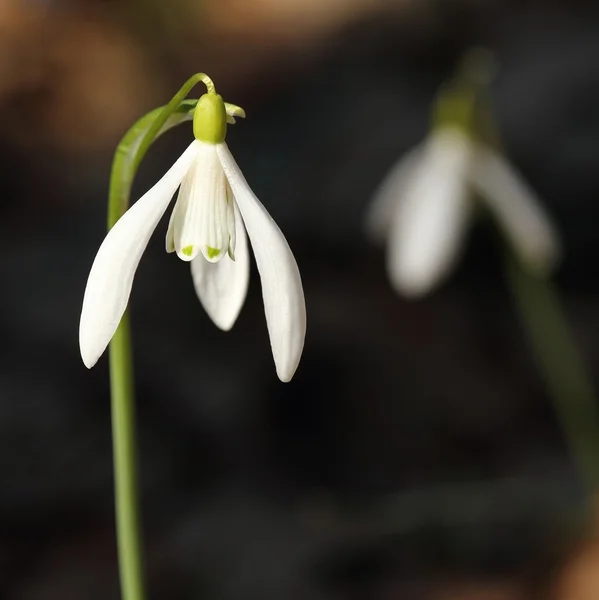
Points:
point(415, 455)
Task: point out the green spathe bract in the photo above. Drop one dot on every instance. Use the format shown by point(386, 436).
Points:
point(210, 119)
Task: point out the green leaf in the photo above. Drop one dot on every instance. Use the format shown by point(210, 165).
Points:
point(140, 137)
point(132, 149)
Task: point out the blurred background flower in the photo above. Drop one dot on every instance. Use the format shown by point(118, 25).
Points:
point(415, 453)
point(421, 210)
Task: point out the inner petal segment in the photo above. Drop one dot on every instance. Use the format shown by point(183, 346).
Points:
point(200, 221)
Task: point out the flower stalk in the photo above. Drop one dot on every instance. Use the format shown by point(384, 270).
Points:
point(128, 525)
point(554, 347)
point(215, 214)
point(561, 366)
point(127, 159)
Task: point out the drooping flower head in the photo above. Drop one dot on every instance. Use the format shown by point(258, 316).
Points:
point(214, 208)
point(425, 203)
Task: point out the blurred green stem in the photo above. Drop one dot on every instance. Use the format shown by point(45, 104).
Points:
point(566, 378)
point(542, 315)
point(128, 156)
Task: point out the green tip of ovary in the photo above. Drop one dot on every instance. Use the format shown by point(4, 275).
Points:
point(188, 250)
point(212, 252)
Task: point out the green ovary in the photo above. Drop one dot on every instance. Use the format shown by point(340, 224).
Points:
point(210, 119)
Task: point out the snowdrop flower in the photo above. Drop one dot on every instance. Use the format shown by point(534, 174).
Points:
point(424, 205)
point(215, 208)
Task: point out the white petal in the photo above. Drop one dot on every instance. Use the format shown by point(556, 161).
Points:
point(232, 220)
point(222, 286)
point(111, 276)
point(170, 233)
point(200, 220)
point(282, 290)
point(389, 194)
point(175, 222)
point(518, 210)
point(428, 226)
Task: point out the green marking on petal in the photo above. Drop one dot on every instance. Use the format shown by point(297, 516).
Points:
point(212, 252)
point(188, 250)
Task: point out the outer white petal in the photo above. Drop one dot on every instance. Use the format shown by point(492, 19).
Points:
point(111, 276)
point(389, 194)
point(517, 209)
point(282, 290)
point(428, 226)
point(222, 286)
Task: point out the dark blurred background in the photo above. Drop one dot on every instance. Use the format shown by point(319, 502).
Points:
point(416, 454)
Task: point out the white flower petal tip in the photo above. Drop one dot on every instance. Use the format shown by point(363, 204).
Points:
point(415, 269)
point(90, 355)
point(412, 282)
point(427, 228)
point(188, 253)
point(518, 211)
point(282, 291)
point(111, 276)
point(222, 286)
point(213, 255)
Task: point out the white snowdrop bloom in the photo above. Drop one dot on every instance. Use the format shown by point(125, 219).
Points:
point(424, 205)
point(215, 208)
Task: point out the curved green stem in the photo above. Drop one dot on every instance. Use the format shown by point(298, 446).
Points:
point(544, 319)
point(128, 156)
point(137, 141)
point(559, 360)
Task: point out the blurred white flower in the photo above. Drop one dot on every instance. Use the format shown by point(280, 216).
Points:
point(214, 208)
point(424, 205)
